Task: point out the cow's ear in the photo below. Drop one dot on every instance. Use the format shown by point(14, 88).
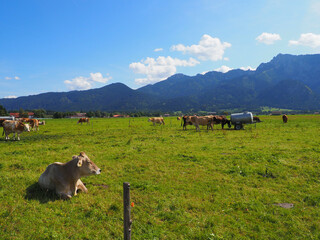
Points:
point(79, 164)
point(82, 154)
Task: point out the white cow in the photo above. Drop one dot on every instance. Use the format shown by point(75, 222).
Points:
point(64, 178)
point(10, 126)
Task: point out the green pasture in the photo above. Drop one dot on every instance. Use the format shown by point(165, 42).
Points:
point(220, 184)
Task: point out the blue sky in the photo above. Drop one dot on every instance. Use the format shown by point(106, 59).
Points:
point(55, 46)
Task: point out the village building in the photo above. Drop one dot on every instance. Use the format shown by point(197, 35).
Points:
point(78, 115)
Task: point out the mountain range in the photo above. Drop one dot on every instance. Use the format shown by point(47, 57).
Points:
point(287, 81)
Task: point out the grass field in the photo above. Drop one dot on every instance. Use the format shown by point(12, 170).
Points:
point(221, 184)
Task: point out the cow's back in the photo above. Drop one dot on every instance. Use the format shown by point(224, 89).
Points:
point(9, 126)
point(50, 177)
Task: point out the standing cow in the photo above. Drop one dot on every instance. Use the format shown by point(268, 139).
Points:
point(82, 120)
point(256, 119)
point(64, 178)
point(221, 120)
point(1, 121)
point(10, 126)
point(186, 121)
point(34, 123)
point(203, 121)
point(155, 120)
point(284, 118)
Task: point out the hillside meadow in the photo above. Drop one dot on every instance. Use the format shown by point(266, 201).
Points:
point(220, 184)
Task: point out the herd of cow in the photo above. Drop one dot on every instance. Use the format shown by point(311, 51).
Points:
point(25, 124)
point(208, 121)
point(18, 126)
point(186, 120)
point(64, 178)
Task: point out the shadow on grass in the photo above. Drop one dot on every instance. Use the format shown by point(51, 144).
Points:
point(35, 192)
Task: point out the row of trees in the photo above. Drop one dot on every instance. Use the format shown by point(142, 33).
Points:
point(42, 113)
point(3, 111)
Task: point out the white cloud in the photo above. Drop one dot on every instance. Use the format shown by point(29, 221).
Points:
point(247, 68)
point(209, 48)
point(97, 77)
point(84, 83)
point(223, 69)
point(158, 49)
point(159, 69)
point(12, 96)
point(10, 78)
point(307, 39)
point(268, 38)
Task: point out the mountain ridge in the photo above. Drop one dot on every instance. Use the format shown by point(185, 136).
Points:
point(287, 81)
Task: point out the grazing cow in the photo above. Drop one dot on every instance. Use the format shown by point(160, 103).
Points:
point(34, 124)
point(203, 121)
point(42, 122)
point(178, 118)
point(284, 118)
point(221, 120)
point(82, 120)
point(1, 121)
point(64, 178)
point(186, 121)
point(256, 119)
point(155, 120)
point(10, 126)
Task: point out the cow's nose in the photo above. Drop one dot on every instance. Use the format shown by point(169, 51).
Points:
point(99, 171)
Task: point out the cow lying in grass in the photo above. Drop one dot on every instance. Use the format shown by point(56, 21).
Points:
point(64, 178)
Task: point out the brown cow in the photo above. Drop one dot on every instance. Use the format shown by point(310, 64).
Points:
point(42, 122)
point(10, 126)
point(256, 119)
point(186, 121)
point(221, 120)
point(64, 178)
point(155, 120)
point(178, 118)
point(82, 120)
point(203, 121)
point(34, 123)
point(284, 118)
point(2, 120)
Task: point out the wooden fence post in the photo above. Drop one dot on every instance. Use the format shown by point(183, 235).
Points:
point(126, 211)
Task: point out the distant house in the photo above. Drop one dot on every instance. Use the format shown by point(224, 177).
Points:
point(17, 115)
point(120, 116)
point(166, 115)
point(276, 113)
point(78, 115)
point(316, 112)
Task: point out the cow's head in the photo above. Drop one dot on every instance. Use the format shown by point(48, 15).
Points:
point(85, 165)
point(26, 127)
